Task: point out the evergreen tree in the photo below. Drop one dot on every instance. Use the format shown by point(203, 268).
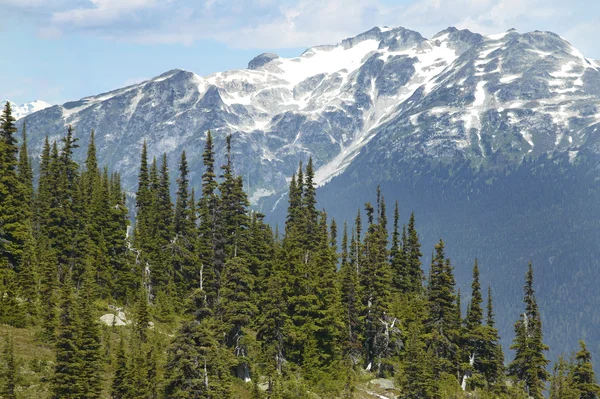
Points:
point(210, 266)
point(492, 358)
point(529, 364)
point(412, 250)
point(238, 310)
point(28, 279)
point(584, 378)
point(10, 370)
point(197, 366)
point(443, 319)
point(561, 382)
point(25, 173)
point(418, 379)
point(350, 299)
point(66, 382)
point(120, 384)
point(143, 201)
point(89, 341)
point(48, 294)
point(376, 286)
point(14, 205)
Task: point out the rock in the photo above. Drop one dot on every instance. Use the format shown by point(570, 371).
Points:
point(112, 320)
point(383, 383)
point(261, 60)
point(263, 386)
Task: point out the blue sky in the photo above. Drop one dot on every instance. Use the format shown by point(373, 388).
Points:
point(63, 50)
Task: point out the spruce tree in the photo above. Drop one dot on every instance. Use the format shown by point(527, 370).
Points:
point(418, 379)
point(66, 382)
point(29, 280)
point(350, 299)
point(474, 337)
point(412, 250)
point(89, 341)
point(197, 366)
point(25, 173)
point(584, 378)
point(10, 370)
point(238, 310)
point(561, 381)
point(492, 358)
point(442, 322)
point(529, 364)
point(376, 286)
point(14, 206)
point(210, 267)
point(120, 384)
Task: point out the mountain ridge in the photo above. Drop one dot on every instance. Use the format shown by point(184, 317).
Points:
point(332, 100)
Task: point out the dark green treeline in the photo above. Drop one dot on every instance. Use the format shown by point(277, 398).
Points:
point(216, 297)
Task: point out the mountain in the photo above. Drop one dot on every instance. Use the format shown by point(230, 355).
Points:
point(461, 95)
point(21, 111)
point(492, 140)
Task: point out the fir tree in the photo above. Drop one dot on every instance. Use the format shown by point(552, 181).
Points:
point(89, 341)
point(561, 382)
point(491, 360)
point(197, 367)
point(25, 173)
point(10, 370)
point(418, 379)
point(238, 310)
point(14, 206)
point(412, 250)
point(48, 294)
point(529, 364)
point(350, 299)
point(584, 378)
point(376, 286)
point(66, 382)
point(443, 318)
point(120, 384)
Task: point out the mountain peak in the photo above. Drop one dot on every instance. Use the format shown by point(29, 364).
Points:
point(22, 110)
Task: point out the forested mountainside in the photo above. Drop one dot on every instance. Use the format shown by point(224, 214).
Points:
point(203, 299)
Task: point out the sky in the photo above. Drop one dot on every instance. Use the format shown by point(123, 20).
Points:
point(63, 50)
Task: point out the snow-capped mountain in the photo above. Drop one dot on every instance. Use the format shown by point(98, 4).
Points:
point(21, 111)
point(456, 95)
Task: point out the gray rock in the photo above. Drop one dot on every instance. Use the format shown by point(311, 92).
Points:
point(261, 60)
point(383, 383)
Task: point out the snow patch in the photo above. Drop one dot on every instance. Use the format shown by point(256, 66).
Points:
point(528, 137)
point(295, 70)
point(572, 155)
point(22, 110)
point(260, 193)
point(510, 78)
point(497, 36)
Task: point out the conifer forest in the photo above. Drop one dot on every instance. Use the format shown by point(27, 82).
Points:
point(174, 293)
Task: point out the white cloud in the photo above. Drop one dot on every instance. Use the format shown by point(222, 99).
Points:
point(101, 12)
point(300, 23)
